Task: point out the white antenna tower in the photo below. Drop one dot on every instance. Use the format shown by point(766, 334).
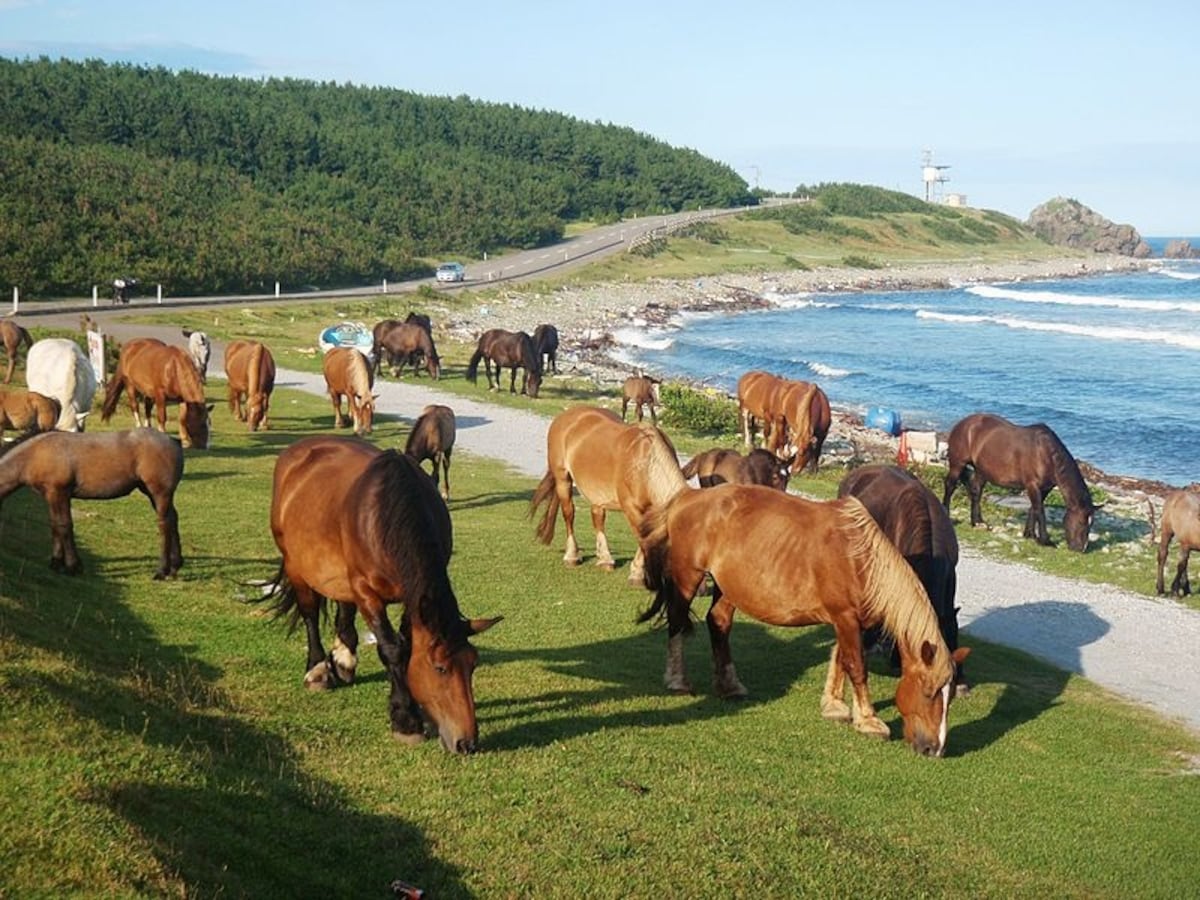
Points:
point(933, 176)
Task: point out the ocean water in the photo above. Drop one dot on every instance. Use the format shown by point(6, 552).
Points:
point(1111, 362)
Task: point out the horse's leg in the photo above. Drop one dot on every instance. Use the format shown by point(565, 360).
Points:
point(318, 676)
point(445, 460)
point(512, 381)
point(1164, 545)
point(170, 558)
point(1035, 523)
point(640, 410)
point(12, 364)
point(624, 407)
point(336, 399)
point(63, 555)
point(160, 410)
point(833, 702)
point(395, 649)
point(849, 657)
point(566, 503)
point(603, 555)
point(720, 621)
point(637, 568)
point(653, 416)
point(344, 655)
point(677, 604)
point(1180, 586)
point(975, 489)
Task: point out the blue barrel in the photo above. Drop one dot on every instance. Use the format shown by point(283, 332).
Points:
point(886, 420)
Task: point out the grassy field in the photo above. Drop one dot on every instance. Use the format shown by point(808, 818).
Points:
point(157, 740)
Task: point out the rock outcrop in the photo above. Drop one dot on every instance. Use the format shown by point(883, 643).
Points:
point(1069, 223)
point(1180, 249)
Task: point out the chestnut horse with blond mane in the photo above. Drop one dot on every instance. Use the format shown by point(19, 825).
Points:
point(365, 527)
point(807, 417)
point(250, 370)
point(632, 468)
point(13, 336)
point(348, 374)
point(788, 561)
point(157, 374)
point(760, 401)
point(28, 411)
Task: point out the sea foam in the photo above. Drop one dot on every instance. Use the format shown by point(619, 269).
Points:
point(1102, 332)
point(1057, 297)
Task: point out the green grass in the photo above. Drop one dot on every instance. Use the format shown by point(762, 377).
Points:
point(157, 740)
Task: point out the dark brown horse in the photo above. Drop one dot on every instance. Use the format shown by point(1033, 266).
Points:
point(432, 438)
point(13, 336)
point(156, 374)
point(507, 348)
point(405, 343)
point(347, 374)
point(27, 411)
point(713, 467)
point(545, 344)
point(632, 468)
point(250, 370)
point(366, 528)
point(1180, 519)
point(62, 465)
point(640, 391)
point(920, 528)
point(788, 561)
point(1019, 456)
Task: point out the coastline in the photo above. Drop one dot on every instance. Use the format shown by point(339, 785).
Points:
point(588, 316)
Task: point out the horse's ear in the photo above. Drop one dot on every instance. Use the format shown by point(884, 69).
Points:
point(479, 626)
point(210, 407)
point(187, 332)
point(960, 654)
point(928, 653)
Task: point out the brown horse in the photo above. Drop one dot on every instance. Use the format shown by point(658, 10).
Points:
point(432, 438)
point(507, 348)
point(920, 528)
point(404, 344)
point(61, 465)
point(632, 468)
point(28, 411)
point(807, 416)
point(1181, 519)
point(158, 374)
point(1020, 456)
point(545, 344)
point(347, 374)
point(641, 391)
point(713, 467)
point(366, 528)
point(760, 400)
point(13, 336)
point(250, 370)
point(789, 561)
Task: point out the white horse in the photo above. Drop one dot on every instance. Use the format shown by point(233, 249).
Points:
point(199, 349)
point(58, 368)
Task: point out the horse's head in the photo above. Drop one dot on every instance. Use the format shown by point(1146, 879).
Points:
point(194, 422)
point(364, 419)
point(924, 693)
point(533, 384)
point(256, 410)
point(439, 677)
point(1077, 523)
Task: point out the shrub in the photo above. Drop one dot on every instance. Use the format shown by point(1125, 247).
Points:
point(854, 261)
point(705, 412)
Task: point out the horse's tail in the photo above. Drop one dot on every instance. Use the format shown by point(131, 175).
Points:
point(545, 493)
point(281, 596)
point(24, 337)
point(473, 365)
point(112, 394)
point(656, 543)
point(254, 372)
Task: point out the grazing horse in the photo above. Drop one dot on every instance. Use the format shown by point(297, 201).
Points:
point(1020, 456)
point(507, 348)
point(405, 343)
point(58, 368)
point(789, 561)
point(27, 411)
point(157, 374)
point(804, 408)
point(920, 528)
point(432, 438)
point(641, 391)
point(1181, 519)
point(347, 374)
point(366, 528)
point(200, 350)
point(416, 318)
point(713, 467)
point(545, 344)
point(632, 468)
point(250, 370)
point(60, 466)
point(13, 336)
point(760, 399)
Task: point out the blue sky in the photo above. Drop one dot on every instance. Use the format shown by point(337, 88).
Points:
point(1023, 100)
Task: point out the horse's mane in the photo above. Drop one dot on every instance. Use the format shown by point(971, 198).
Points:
point(191, 388)
point(1066, 470)
point(659, 465)
point(396, 503)
point(254, 371)
point(802, 429)
point(891, 593)
point(531, 359)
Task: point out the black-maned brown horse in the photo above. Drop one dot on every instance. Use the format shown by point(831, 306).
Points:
point(920, 528)
point(348, 374)
point(13, 336)
point(405, 343)
point(713, 467)
point(365, 527)
point(27, 411)
point(62, 465)
point(157, 374)
point(984, 447)
point(788, 561)
point(432, 438)
point(632, 468)
point(1180, 519)
point(507, 348)
point(545, 344)
point(250, 370)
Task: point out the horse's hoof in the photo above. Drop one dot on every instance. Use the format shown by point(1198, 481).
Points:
point(411, 738)
point(570, 562)
point(680, 687)
point(835, 711)
point(873, 726)
point(606, 564)
point(731, 691)
point(319, 678)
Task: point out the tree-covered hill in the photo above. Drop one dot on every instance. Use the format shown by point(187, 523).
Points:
point(223, 184)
